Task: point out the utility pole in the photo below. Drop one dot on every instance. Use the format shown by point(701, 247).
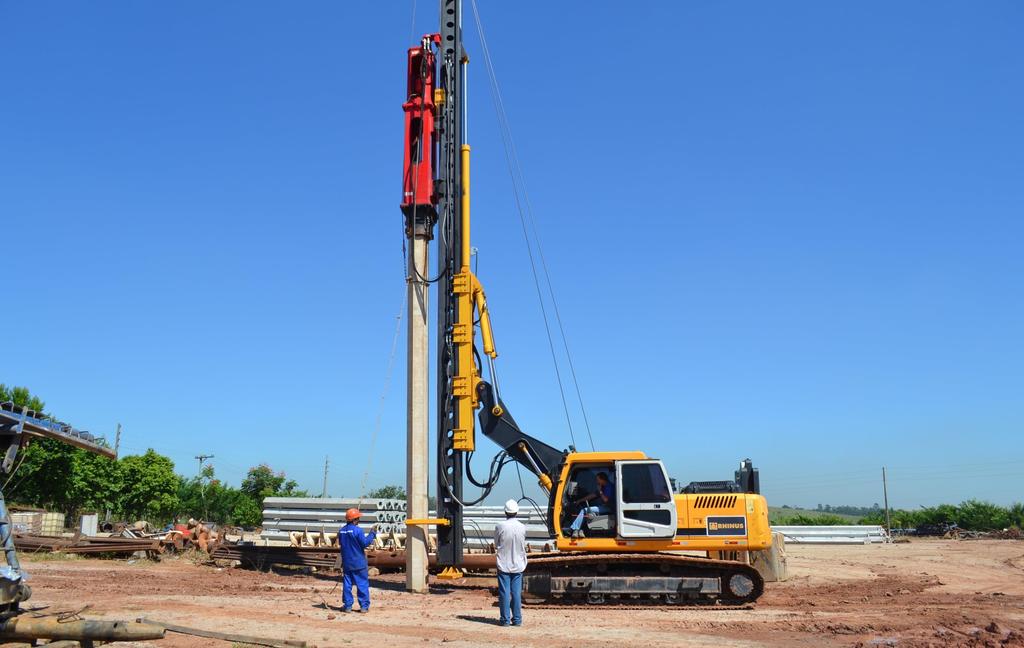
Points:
point(202, 484)
point(326, 461)
point(117, 445)
point(885, 494)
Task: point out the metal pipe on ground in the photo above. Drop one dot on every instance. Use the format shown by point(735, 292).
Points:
point(262, 557)
point(50, 628)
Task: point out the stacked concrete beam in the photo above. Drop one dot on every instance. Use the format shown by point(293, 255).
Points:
point(479, 523)
point(282, 515)
point(838, 534)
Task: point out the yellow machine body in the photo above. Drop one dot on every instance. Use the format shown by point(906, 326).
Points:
point(701, 522)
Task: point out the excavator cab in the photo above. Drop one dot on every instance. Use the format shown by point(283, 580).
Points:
point(643, 505)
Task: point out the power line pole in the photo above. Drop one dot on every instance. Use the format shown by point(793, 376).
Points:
point(326, 462)
point(117, 446)
point(202, 484)
point(885, 494)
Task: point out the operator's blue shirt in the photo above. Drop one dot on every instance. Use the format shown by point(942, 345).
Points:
point(608, 490)
point(353, 542)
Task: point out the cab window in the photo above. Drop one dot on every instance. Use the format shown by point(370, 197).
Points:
point(644, 483)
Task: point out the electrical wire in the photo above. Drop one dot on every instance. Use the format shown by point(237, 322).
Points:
point(519, 184)
point(383, 396)
point(21, 460)
point(506, 134)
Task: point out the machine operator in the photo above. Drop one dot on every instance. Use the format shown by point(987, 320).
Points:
point(603, 502)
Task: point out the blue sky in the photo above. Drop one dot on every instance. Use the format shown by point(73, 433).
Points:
point(784, 231)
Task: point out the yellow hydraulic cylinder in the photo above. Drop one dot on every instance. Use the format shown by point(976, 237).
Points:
point(464, 152)
point(466, 374)
point(480, 300)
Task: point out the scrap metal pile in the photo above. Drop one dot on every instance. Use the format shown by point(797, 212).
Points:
point(88, 545)
point(131, 540)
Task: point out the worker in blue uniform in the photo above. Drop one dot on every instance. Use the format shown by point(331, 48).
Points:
point(353, 541)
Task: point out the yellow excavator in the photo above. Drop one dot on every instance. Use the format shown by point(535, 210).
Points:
point(631, 549)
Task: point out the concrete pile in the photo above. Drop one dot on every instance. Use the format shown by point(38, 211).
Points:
point(314, 522)
point(321, 517)
point(478, 523)
point(838, 534)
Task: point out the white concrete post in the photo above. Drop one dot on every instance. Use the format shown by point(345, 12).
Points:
point(418, 417)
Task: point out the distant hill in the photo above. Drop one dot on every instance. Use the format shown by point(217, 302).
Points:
point(779, 515)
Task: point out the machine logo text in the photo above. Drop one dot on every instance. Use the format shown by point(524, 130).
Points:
point(727, 525)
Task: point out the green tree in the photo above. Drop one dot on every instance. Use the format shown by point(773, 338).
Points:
point(261, 481)
point(149, 487)
point(95, 482)
point(21, 397)
point(246, 512)
point(982, 516)
point(1016, 515)
point(207, 497)
point(391, 491)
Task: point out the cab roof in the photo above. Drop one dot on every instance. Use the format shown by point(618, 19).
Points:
point(612, 455)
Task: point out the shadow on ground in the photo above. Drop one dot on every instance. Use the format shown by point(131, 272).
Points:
point(488, 620)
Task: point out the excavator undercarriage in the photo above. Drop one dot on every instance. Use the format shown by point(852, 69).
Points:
point(665, 578)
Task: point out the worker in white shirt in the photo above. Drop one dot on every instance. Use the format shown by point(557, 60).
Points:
point(510, 545)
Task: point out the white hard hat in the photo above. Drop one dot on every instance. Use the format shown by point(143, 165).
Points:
point(512, 507)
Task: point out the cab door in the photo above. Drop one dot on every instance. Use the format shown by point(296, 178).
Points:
point(645, 508)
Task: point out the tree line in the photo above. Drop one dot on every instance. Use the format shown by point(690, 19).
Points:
point(972, 515)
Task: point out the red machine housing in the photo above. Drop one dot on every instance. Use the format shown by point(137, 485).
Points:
point(418, 194)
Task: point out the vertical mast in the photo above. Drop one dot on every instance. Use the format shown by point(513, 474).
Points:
point(450, 461)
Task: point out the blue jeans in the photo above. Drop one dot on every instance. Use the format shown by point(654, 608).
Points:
point(510, 584)
point(594, 510)
point(361, 579)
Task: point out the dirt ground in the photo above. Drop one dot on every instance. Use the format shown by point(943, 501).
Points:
point(923, 593)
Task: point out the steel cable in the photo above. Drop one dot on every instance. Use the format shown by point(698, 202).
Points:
point(383, 396)
point(519, 184)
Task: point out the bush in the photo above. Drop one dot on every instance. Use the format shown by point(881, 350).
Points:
point(973, 515)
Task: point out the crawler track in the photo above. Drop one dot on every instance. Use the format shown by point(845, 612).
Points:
point(640, 580)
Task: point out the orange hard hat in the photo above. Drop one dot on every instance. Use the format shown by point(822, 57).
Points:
point(352, 514)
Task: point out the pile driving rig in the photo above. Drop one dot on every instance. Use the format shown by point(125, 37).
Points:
point(631, 552)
